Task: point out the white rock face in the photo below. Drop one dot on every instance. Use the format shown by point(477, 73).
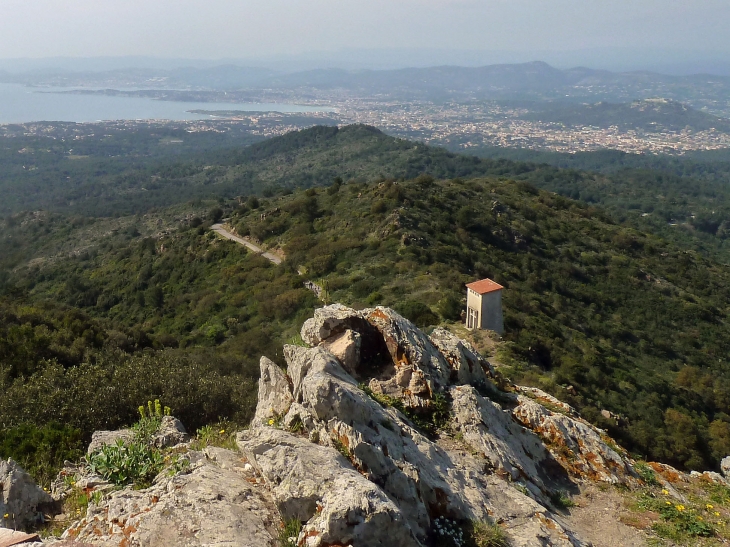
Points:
point(317, 485)
point(575, 444)
point(20, 498)
point(274, 392)
point(171, 432)
point(346, 347)
point(215, 504)
point(725, 466)
point(103, 438)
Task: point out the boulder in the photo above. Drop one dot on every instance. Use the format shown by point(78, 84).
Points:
point(412, 353)
point(725, 467)
point(317, 485)
point(21, 499)
point(467, 366)
point(513, 451)
point(103, 438)
point(275, 396)
point(10, 537)
point(328, 321)
point(170, 433)
point(346, 347)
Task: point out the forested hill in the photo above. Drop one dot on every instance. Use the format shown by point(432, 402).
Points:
point(602, 315)
point(683, 200)
point(646, 115)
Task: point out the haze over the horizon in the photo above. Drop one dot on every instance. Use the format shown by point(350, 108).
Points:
point(676, 31)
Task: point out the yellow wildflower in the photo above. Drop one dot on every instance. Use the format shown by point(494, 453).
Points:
point(710, 506)
point(668, 502)
point(699, 518)
point(222, 431)
point(6, 515)
point(665, 492)
point(679, 508)
point(717, 513)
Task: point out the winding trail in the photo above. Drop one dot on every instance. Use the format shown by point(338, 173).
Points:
point(219, 229)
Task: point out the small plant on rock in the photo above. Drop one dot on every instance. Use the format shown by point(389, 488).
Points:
point(289, 533)
point(561, 500)
point(447, 533)
point(221, 435)
point(487, 534)
point(646, 473)
point(150, 418)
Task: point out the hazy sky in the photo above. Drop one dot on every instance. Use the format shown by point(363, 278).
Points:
point(251, 28)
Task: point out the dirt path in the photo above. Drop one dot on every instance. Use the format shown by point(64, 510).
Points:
point(219, 229)
point(597, 518)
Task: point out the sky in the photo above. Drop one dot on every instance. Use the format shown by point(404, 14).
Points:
point(214, 29)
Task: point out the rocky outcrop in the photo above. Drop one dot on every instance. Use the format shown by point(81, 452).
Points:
point(103, 438)
point(21, 500)
point(274, 392)
point(316, 485)
point(357, 433)
point(170, 433)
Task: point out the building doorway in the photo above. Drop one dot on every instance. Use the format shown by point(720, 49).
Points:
point(472, 318)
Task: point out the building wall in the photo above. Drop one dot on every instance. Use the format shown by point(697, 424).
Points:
point(491, 312)
point(473, 301)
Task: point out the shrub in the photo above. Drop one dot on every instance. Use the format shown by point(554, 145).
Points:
point(418, 313)
point(41, 451)
point(122, 464)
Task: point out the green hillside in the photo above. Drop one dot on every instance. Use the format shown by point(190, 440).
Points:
point(682, 199)
point(635, 325)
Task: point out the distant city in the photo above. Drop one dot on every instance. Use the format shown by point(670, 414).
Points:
point(531, 106)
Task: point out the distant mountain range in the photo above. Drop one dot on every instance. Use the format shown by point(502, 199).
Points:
point(529, 81)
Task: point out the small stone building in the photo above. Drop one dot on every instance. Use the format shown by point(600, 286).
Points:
point(484, 306)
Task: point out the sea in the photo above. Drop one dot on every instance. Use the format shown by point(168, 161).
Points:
point(21, 104)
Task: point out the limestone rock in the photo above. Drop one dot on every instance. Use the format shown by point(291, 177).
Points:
point(329, 321)
point(468, 367)
point(725, 467)
point(578, 446)
point(421, 478)
point(102, 438)
point(20, 497)
point(170, 433)
point(317, 485)
point(274, 392)
point(346, 347)
point(513, 451)
point(215, 504)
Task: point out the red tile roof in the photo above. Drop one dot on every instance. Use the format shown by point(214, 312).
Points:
point(484, 286)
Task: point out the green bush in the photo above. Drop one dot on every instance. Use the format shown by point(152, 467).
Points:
point(105, 395)
point(41, 451)
point(418, 313)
